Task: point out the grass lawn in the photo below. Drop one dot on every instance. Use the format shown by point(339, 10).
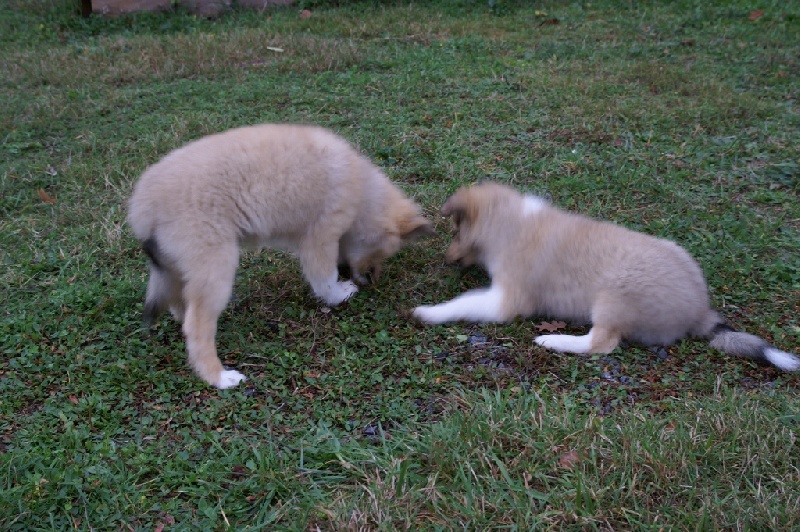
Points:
point(680, 119)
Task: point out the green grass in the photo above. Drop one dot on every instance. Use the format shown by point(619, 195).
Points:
point(679, 119)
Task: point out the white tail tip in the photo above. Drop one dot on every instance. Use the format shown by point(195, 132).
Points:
point(781, 359)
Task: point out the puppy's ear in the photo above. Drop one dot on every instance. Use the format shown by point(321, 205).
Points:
point(415, 227)
point(460, 206)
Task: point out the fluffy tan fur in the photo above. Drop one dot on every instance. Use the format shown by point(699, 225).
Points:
point(298, 188)
point(547, 262)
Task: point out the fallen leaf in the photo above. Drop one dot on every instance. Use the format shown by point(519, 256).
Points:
point(45, 196)
point(73, 399)
point(160, 527)
point(569, 459)
point(551, 326)
point(305, 13)
point(550, 22)
point(757, 14)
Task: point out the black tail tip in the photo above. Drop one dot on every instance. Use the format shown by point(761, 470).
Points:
point(720, 328)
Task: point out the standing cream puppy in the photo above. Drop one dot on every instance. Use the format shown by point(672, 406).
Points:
point(298, 188)
point(547, 262)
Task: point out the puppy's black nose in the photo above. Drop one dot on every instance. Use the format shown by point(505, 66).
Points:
point(344, 271)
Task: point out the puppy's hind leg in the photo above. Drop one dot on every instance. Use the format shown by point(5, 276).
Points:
point(598, 340)
point(609, 316)
point(157, 298)
point(164, 291)
point(206, 293)
point(163, 288)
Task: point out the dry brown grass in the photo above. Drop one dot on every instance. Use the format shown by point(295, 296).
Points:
point(120, 61)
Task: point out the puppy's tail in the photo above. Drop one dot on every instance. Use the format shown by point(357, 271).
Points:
point(740, 344)
point(150, 247)
point(154, 302)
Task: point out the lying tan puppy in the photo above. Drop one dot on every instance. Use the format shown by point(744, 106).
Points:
point(547, 262)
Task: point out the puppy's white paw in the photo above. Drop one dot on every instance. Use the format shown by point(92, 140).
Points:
point(341, 291)
point(565, 343)
point(429, 314)
point(229, 378)
point(547, 341)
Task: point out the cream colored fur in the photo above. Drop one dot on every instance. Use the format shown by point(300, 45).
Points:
point(547, 262)
point(302, 189)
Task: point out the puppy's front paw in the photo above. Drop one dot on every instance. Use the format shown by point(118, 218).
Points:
point(229, 378)
point(342, 291)
point(429, 314)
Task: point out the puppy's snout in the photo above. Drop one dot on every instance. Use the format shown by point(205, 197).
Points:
point(371, 276)
point(453, 260)
point(371, 273)
point(461, 255)
point(453, 255)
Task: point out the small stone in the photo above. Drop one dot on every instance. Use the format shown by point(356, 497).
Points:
point(610, 361)
point(477, 339)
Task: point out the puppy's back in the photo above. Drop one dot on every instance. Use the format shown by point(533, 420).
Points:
point(585, 267)
point(654, 287)
point(245, 180)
